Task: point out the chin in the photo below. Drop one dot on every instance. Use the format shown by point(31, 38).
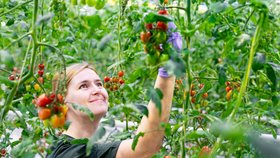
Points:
point(99, 110)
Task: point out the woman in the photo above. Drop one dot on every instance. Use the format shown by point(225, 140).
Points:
point(84, 88)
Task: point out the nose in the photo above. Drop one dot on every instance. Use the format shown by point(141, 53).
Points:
point(95, 89)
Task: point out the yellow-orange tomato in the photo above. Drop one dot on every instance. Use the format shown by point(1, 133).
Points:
point(63, 109)
point(205, 95)
point(44, 113)
point(228, 95)
point(57, 121)
point(193, 92)
point(37, 87)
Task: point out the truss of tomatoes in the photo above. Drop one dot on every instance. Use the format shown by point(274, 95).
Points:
point(51, 110)
point(155, 39)
point(114, 83)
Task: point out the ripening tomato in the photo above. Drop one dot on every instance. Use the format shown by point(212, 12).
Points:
point(228, 95)
point(205, 95)
point(227, 83)
point(60, 98)
point(43, 100)
point(63, 109)
point(106, 79)
point(121, 73)
point(165, 1)
point(41, 80)
point(161, 26)
point(193, 100)
point(163, 12)
point(193, 92)
point(205, 151)
point(44, 113)
point(201, 86)
point(145, 36)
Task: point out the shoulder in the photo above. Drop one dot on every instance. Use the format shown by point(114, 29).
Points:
point(64, 149)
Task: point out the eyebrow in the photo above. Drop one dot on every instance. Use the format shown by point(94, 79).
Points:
point(85, 81)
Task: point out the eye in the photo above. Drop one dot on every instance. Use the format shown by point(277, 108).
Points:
point(83, 86)
point(99, 84)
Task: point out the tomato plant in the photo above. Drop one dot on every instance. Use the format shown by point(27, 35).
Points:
point(227, 69)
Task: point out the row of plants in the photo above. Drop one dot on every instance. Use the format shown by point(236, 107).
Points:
point(227, 70)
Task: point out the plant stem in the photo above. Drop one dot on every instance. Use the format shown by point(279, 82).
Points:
point(17, 40)
point(19, 5)
point(119, 30)
point(177, 7)
point(189, 77)
point(10, 97)
point(245, 79)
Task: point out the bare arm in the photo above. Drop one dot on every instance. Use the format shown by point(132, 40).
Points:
point(151, 142)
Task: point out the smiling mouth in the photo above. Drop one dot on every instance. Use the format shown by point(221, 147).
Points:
point(99, 100)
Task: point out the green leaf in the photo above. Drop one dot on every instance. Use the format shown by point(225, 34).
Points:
point(135, 140)
point(44, 19)
point(94, 21)
point(272, 76)
point(100, 132)
point(79, 141)
point(258, 62)
point(143, 109)
point(221, 75)
point(84, 109)
point(155, 95)
point(154, 17)
point(104, 42)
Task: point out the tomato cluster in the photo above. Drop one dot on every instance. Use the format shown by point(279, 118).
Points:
point(52, 110)
point(155, 39)
point(193, 94)
point(114, 83)
point(230, 86)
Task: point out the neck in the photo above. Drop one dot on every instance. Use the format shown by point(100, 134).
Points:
point(81, 126)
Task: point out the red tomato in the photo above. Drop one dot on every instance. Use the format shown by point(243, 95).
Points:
point(161, 26)
point(193, 100)
point(120, 73)
point(44, 113)
point(41, 66)
point(201, 86)
point(43, 100)
point(3, 152)
point(106, 79)
point(228, 88)
point(40, 72)
point(149, 26)
point(163, 12)
point(12, 77)
point(121, 81)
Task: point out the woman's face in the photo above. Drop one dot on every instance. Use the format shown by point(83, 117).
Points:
point(86, 89)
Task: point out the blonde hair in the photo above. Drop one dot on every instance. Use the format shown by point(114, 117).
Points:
point(71, 71)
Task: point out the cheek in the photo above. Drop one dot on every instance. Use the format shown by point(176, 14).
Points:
point(78, 98)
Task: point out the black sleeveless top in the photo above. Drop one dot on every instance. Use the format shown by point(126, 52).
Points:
point(64, 149)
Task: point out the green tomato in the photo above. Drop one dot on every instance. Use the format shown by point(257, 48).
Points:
point(100, 4)
point(74, 2)
point(83, 2)
point(151, 60)
point(163, 57)
point(91, 3)
point(160, 37)
point(28, 87)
